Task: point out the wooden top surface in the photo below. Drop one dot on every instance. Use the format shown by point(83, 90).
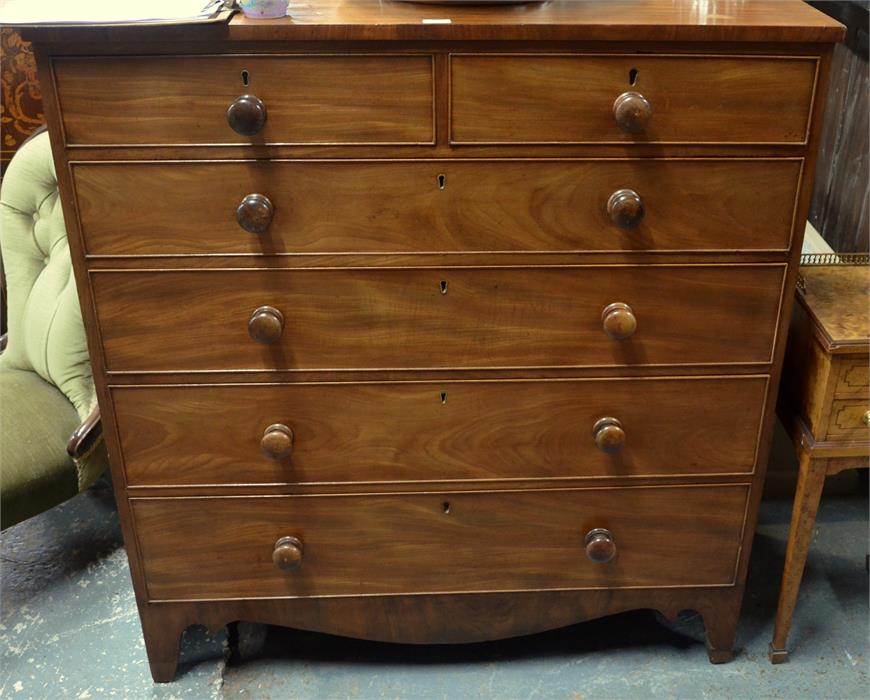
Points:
point(573, 20)
point(837, 298)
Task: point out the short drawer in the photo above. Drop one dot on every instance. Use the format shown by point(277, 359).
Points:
point(435, 206)
point(850, 420)
point(410, 431)
point(854, 376)
point(438, 543)
point(564, 98)
point(308, 99)
point(419, 318)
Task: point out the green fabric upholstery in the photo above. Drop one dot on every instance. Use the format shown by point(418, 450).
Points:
point(46, 384)
point(35, 471)
point(46, 334)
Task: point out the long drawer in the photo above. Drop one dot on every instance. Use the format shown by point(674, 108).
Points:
point(412, 318)
point(326, 99)
point(564, 98)
point(434, 206)
point(422, 431)
point(446, 542)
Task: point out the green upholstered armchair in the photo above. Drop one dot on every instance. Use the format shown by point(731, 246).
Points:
point(50, 446)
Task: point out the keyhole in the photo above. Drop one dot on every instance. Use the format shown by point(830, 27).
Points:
point(445, 507)
point(443, 397)
point(443, 286)
point(442, 182)
point(246, 78)
point(632, 76)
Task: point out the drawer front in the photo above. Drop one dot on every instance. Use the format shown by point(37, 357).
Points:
point(446, 542)
point(409, 431)
point(443, 206)
point(854, 377)
point(569, 98)
point(415, 318)
point(308, 99)
point(849, 420)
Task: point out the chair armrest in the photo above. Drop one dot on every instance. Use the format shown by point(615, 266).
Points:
point(85, 436)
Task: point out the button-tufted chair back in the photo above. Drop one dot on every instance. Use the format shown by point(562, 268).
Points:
point(45, 329)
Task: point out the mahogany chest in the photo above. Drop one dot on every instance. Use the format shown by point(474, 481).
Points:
point(438, 331)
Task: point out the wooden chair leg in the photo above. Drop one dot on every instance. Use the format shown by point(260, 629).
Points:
point(811, 480)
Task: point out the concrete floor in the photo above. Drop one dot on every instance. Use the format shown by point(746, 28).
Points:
point(68, 628)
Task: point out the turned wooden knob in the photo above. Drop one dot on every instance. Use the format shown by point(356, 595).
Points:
point(246, 115)
point(600, 546)
point(625, 208)
point(609, 434)
point(266, 324)
point(287, 554)
point(632, 112)
point(618, 320)
point(254, 213)
point(277, 442)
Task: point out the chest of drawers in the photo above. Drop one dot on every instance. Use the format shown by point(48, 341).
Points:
point(438, 332)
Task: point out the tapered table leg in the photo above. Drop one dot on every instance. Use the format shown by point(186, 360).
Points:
point(811, 479)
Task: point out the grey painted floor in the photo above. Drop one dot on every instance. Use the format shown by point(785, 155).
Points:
point(69, 629)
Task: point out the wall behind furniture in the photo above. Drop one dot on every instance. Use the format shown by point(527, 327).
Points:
point(840, 207)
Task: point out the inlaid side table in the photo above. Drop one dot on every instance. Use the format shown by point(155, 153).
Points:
point(823, 401)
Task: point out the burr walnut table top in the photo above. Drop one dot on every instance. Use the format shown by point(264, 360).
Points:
point(835, 297)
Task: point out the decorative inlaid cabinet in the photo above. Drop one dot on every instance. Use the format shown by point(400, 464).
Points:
point(438, 332)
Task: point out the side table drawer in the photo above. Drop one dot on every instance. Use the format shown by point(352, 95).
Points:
point(437, 543)
point(850, 420)
point(308, 99)
point(854, 377)
point(564, 98)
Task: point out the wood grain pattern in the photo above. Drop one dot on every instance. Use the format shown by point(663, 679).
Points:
point(399, 318)
point(811, 479)
point(590, 20)
point(404, 206)
point(409, 431)
point(309, 99)
point(847, 420)
point(825, 406)
point(836, 301)
point(809, 375)
point(708, 311)
point(568, 99)
point(853, 377)
point(403, 543)
point(414, 619)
